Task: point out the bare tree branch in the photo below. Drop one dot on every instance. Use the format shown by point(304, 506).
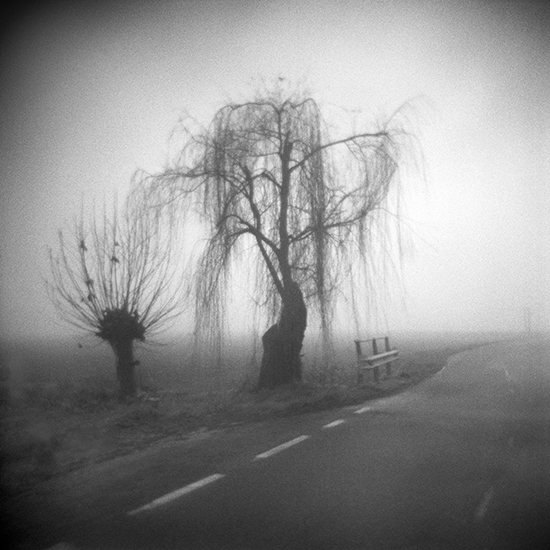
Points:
point(313, 204)
point(115, 264)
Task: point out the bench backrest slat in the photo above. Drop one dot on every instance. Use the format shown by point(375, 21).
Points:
point(377, 358)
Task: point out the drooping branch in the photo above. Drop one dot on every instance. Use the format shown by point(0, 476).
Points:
point(270, 185)
point(351, 139)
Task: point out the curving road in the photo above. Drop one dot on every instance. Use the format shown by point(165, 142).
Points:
point(460, 461)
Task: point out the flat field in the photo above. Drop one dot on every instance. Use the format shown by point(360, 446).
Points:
point(60, 411)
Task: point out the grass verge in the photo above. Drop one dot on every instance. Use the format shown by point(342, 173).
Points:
point(55, 430)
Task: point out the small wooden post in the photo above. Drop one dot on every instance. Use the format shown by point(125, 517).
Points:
point(375, 371)
point(359, 370)
point(388, 365)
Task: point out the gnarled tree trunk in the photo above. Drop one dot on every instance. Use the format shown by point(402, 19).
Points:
point(282, 342)
point(125, 368)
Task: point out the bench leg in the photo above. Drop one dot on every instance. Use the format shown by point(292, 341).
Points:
point(376, 374)
point(388, 370)
point(359, 377)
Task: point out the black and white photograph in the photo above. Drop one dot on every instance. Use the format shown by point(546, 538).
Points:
point(275, 274)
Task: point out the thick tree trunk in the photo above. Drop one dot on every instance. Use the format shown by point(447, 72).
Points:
point(125, 368)
point(282, 342)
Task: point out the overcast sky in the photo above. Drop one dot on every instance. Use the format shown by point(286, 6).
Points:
point(90, 95)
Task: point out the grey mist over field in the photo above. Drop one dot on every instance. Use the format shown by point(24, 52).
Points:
point(92, 94)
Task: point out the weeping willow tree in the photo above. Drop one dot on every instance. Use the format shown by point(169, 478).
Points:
point(113, 277)
point(284, 199)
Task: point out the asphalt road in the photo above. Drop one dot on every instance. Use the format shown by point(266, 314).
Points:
point(460, 461)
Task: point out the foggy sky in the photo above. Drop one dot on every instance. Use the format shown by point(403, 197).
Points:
point(92, 94)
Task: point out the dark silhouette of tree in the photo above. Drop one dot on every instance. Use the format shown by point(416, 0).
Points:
point(298, 205)
point(113, 277)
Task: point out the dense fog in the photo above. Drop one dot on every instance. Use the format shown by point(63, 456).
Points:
point(93, 93)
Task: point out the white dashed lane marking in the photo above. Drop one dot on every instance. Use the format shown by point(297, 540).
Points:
point(207, 480)
point(282, 447)
point(482, 507)
point(177, 494)
point(335, 423)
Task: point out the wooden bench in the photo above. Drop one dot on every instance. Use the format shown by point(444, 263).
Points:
point(376, 360)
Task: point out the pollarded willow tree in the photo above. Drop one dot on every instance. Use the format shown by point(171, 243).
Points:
point(274, 187)
point(114, 277)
